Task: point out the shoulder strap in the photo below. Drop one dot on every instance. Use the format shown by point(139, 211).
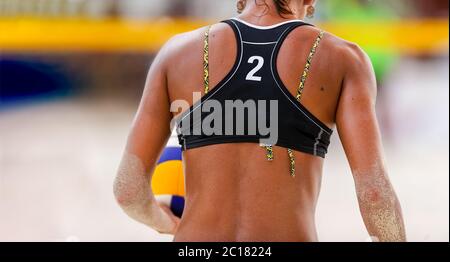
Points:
point(308, 66)
point(300, 91)
point(206, 60)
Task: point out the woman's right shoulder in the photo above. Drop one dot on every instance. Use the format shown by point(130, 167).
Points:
point(188, 40)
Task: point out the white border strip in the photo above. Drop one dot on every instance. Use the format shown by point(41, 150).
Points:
point(254, 43)
point(266, 27)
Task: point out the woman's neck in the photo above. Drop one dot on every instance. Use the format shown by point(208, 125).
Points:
point(264, 14)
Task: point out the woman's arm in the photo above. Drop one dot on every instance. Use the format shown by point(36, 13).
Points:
point(359, 132)
point(147, 139)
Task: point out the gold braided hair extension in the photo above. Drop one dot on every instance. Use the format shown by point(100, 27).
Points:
point(206, 60)
point(308, 66)
point(302, 87)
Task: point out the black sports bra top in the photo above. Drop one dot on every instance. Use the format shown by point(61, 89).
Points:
point(251, 104)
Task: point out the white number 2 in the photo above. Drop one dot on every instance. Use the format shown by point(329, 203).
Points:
point(251, 75)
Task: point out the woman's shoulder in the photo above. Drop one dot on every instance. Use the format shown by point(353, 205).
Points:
point(349, 51)
point(192, 40)
point(337, 47)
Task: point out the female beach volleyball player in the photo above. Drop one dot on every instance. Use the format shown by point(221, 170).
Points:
point(253, 172)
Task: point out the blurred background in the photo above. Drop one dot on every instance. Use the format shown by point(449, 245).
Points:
point(72, 73)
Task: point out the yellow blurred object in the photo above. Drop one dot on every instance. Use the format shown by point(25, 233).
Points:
point(54, 35)
point(89, 35)
point(407, 36)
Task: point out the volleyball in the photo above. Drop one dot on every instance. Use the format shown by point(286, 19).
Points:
point(168, 180)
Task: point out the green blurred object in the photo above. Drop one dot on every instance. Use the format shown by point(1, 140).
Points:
point(357, 10)
point(363, 11)
point(382, 61)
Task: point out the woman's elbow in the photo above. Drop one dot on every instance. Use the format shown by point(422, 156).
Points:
point(123, 193)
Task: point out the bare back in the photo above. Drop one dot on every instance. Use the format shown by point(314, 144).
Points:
point(231, 189)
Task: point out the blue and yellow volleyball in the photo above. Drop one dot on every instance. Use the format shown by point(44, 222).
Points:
point(168, 180)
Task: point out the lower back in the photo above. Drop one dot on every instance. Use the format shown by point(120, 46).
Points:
point(234, 194)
